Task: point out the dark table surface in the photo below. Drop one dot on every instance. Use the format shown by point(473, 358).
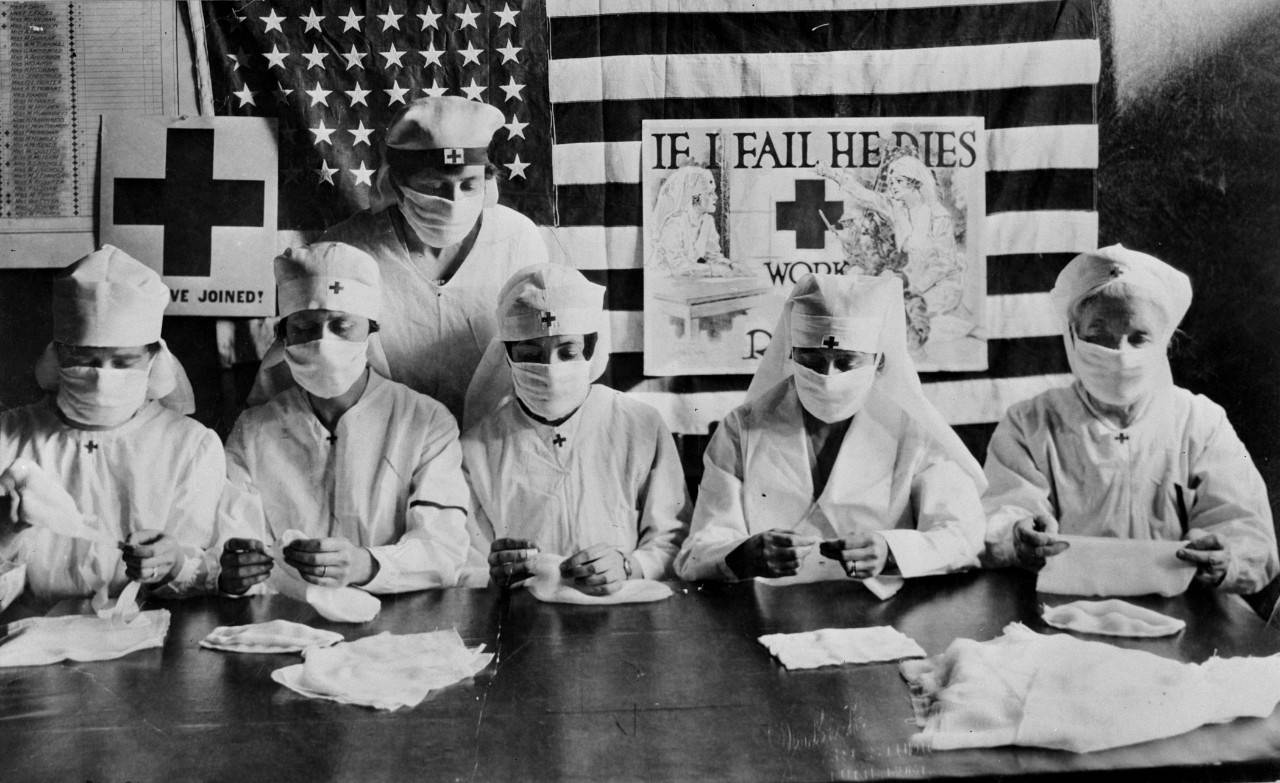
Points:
point(676, 690)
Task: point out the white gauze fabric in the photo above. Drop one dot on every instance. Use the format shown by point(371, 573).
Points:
point(1056, 691)
point(275, 636)
point(816, 568)
point(1111, 617)
point(386, 671)
point(547, 586)
point(337, 604)
point(44, 640)
point(1116, 566)
point(835, 646)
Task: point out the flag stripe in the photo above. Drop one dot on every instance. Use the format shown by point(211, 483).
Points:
point(1049, 235)
point(817, 30)
point(777, 74)
point(1008, 149)
point(620, 204)
point(561, 9)
point(1012, 107)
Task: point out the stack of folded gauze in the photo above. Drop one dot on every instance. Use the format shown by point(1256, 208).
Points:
point(338, 604)
point(1056, 691)
point(384, 671)
point(275, 636)
point(835, 646)
point(1111, 617)
point(547, 585)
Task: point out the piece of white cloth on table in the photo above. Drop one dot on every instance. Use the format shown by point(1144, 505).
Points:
point(386, 671)
point(274, 636)
point(1111, 617)
point(546, 585)
point(835, 646)
point(13, 578)
point(37, 641)
point(1056, 691)
point(1096, 565)
point(336, 604)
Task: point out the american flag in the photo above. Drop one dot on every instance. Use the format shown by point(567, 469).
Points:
point(593, 70)
point(335, 73)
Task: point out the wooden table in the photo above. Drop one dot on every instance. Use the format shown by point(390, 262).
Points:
point(678, 690)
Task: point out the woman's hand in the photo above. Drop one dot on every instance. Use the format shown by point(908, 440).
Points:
point(1034, 540)
point(151, 557)
point(1210, 555)
point(511, 561)
point(597, 570)
point(863, 555)
point(330, 562)
point(245, 563)
point(771, 553)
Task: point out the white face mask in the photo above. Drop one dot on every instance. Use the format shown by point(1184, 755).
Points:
point(833, 398)
point(552, 391)
point(437, 221)
point(1116, 377)
point(327, 367)
point(102, 396)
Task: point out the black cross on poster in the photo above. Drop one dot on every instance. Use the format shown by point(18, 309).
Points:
point(195, 199)
point(801, 215)
point(188, 202)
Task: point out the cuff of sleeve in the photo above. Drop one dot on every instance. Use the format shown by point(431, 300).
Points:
point(386, 570)
point(652, 565)
point(997, 549)
point(912, 553)
point(193, 576)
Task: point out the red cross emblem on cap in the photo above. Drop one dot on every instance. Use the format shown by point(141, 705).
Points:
point(548, 318)
point(452, 155)
point(1116, 271)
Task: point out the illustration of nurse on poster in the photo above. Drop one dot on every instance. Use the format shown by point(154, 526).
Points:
point(737, 210)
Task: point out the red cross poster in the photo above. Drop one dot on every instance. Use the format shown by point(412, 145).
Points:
point(737, 211)
point(195, 199)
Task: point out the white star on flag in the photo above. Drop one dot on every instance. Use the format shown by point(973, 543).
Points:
point(471, 54)
point(361, 134)
point(431, 53)
point(313, 21)
point(396, 93)
point(517, 167)
point(362, 173)
point(354, 58)
point(351, 21)
point(429, 19)
point(322, 134)
point(434, 91)
point(318, 95)
point(507, 15)
point(245, 95)
point(272, 22)
point(357, 95)
point(515, 127)
point(393, 55)
point(315, 58)
point(474, 91)
point(275, 57)
point(512, 88)
point(390, 19)
point(325, 173)
point(509, 53)
point(467, 17)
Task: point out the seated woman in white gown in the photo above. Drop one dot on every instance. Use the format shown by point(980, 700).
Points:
point(836, 445)
point(1123, 452)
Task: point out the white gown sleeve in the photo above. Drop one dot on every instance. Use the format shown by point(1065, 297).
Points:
point(434, 546)
point(719, 522)
point(1230, 501)
point(949, 522)
point(193, 520)
point(664, 509)
point(1016, 488)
